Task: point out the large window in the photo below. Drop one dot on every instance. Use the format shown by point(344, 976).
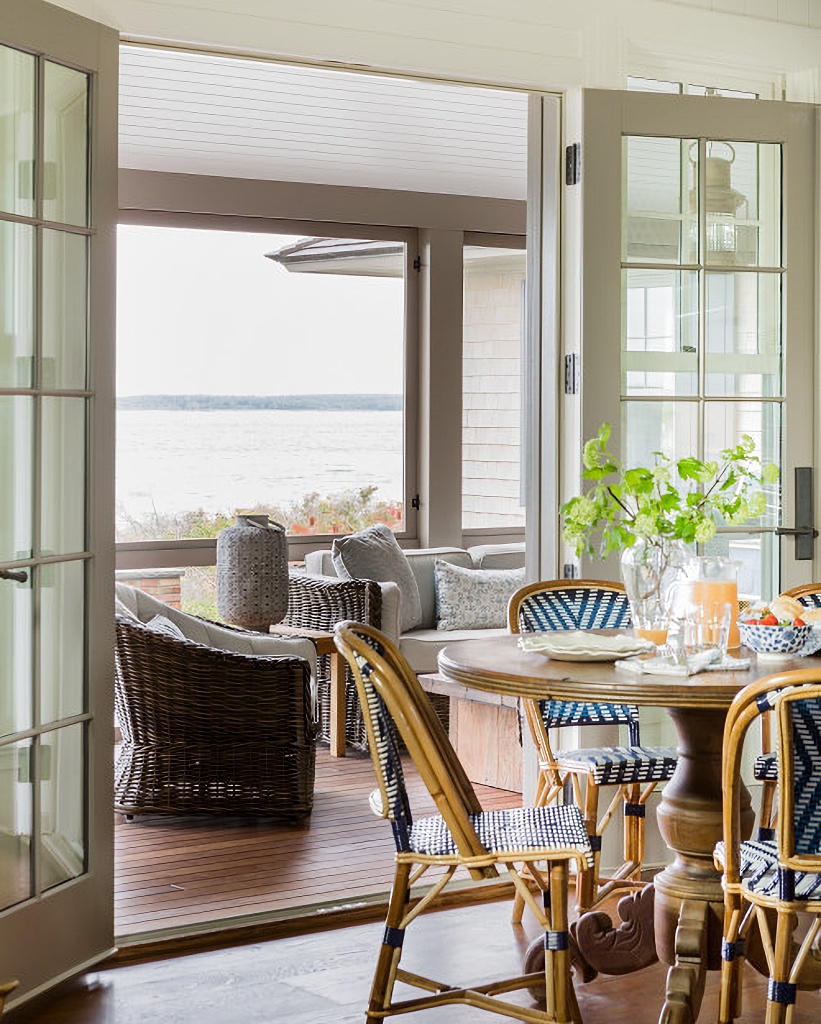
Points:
point(258, 372)
point(493, 324)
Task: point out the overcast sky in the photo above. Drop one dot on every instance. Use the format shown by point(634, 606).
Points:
point(203, 312)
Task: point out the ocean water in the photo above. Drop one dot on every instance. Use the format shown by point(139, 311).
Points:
point(171, 462)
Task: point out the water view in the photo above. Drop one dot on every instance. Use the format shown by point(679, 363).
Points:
point(173, 462)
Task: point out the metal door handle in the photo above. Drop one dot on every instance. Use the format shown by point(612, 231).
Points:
point(804, 531)
point(11, 574)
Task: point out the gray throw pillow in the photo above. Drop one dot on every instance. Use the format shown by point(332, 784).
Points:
point(473, 598)
point(374, 554)
point(161, 624)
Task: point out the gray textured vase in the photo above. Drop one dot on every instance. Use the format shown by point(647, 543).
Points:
point(252, 572)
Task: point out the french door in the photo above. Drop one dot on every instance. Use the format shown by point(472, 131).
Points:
point(698, 289)
point(58, 188)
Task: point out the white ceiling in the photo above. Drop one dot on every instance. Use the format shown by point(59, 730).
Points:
point(198, 114)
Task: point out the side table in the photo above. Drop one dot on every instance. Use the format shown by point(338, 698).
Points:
point(324, 643)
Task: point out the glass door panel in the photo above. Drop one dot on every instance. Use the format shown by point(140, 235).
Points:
point(16, 305)
point(16, 496)
point(65, 310)
point(63, 475)
point(62, 832)
point(16, 647)
point(17, 126)
point(15, 823)
point(65, 145)
point(62, 653)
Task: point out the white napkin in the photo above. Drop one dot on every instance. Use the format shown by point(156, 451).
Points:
point(578, 641)
point(668, 666)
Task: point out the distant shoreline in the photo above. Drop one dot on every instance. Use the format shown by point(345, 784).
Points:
point(187, 403)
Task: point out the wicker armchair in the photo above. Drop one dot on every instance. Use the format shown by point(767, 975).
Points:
point(207, 729)
point(319, 602)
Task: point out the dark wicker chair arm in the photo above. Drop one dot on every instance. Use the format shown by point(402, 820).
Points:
point(319, 602)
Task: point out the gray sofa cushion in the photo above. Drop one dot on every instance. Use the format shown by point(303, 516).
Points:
point(498, 556)
point(374, 554)
point(421, 646)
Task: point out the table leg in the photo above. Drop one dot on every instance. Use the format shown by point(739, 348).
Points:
point(689, 903)
point(337, 709)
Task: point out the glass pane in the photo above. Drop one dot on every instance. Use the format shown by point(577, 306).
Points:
point(65, 309)
point(743, 204)
point(16, 821)
point(16, 305)
point(62, 807)
point(743, 326)
point(493, 296)
point(17, 80)
point(669, 427)
point(65, 145)
point(15, 656)
point(16, 432)
point(660, 207)
point(299, 355)
point(660, 332)
point(62, 640)
point(726, 422)
point(62, 523)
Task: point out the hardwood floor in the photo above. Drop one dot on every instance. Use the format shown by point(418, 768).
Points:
point(187, 872)
point(324, 978)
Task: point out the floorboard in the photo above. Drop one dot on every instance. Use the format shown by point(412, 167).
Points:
point(324, 978)
point(174, 873)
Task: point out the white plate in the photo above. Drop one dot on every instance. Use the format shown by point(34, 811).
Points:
point(581, 646)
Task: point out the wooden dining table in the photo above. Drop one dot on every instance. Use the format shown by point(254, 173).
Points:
point(679, 918)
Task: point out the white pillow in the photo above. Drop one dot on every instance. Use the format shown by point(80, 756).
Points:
point(473, 598)
point(161, 624)
point(374, 554)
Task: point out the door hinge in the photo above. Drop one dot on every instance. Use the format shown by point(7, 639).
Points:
point(417, 263)
point(569, 571)
point(571, 374)
point(573, 164)
point(415, 502)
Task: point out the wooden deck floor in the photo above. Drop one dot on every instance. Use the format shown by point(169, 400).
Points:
point(189, 873)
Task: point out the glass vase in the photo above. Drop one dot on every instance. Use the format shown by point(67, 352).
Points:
point(650, 570)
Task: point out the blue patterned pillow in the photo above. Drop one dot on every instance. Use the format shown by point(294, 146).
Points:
point(473, 598)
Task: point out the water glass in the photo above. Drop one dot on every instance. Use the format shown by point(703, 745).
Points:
point(706, 626)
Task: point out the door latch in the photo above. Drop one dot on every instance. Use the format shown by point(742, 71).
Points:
point(804, 530)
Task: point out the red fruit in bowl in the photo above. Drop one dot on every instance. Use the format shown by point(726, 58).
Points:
point(769, 620)
point(798, 622)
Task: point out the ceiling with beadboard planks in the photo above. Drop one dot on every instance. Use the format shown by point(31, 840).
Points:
point(194, 113)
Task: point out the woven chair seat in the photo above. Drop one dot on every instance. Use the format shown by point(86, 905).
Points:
point(558, 713)
point(766, 767)
point(760, 873)
point(518, 830)
point(612, 766)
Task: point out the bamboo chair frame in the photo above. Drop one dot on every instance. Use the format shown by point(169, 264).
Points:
point(386, 684)
point(773, 915)
point(809, 594)
point(591, 889)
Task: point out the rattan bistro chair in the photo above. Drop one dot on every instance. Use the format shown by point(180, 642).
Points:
point(590, 604)
point(214, 720)
point(768, 884)
point(765, 768)
point(460, 835)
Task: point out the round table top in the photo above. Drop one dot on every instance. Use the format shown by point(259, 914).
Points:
point(499, 665)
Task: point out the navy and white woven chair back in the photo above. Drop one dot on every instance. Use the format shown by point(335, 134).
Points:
point(579, 608)
point(812, 600)
point(574, 608)
point(806, 734)
point(386, 756)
